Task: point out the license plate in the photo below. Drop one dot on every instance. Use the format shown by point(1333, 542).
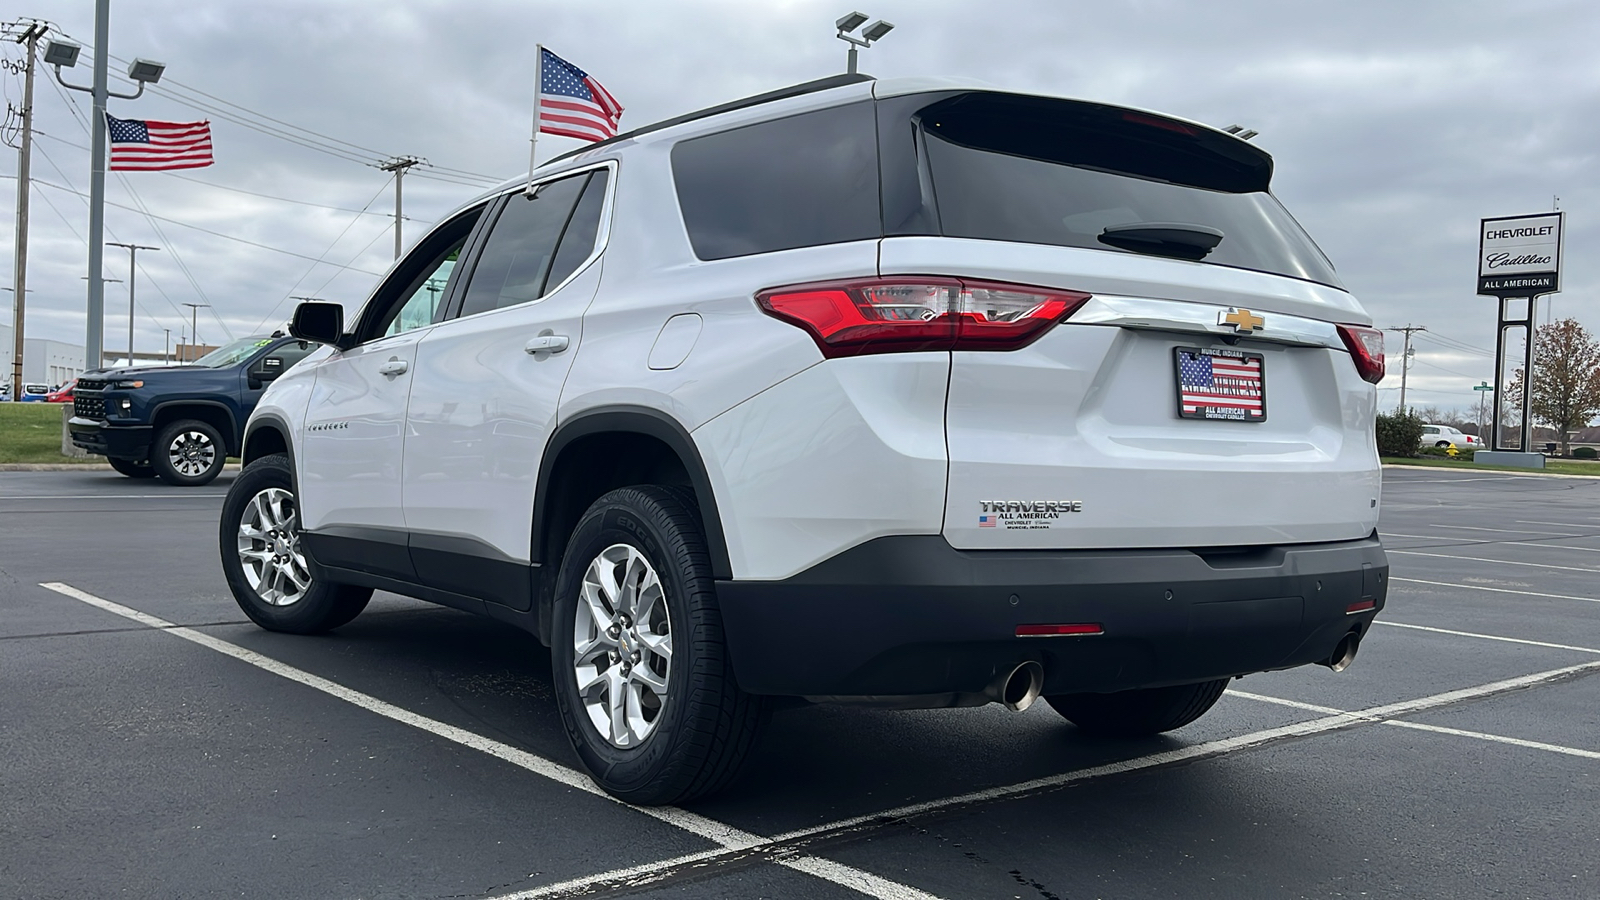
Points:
point(1220, 383)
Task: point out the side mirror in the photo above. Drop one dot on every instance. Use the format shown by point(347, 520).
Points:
point(320, 322)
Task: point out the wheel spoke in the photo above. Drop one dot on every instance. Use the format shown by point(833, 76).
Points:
point(644, 675)
point(616, 705)
point(659, 644)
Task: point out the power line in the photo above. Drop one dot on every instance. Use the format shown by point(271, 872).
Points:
point(304, 275)
point(201, 229)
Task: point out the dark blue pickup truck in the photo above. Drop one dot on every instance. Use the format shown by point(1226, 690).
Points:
point(179, 423)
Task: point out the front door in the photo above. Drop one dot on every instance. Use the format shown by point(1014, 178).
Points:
point(352, 447)
point(487, 384)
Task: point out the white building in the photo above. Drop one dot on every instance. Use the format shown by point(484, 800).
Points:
point(43, 360)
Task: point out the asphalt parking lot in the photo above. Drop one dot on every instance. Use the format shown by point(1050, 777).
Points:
point(156, 744)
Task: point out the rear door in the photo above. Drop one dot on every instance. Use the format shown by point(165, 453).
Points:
point(351, 451)
point(487, 385)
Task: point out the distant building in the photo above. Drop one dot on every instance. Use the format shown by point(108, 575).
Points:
point(43, 360)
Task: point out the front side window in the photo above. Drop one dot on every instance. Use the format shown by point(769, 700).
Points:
point(411, 297)
point(800, 181)
point(517, 259)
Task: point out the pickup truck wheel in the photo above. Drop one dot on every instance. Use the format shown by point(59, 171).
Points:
point(643, 677)
point(188, 453)
point(1138, 713)
point(132, 469)
point(262, 560)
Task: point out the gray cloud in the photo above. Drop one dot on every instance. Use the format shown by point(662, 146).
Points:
point(1395, 126)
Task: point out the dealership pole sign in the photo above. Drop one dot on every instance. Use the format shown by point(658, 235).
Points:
point(1519, 257)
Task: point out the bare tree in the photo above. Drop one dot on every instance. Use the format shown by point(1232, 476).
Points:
point(1566, 388)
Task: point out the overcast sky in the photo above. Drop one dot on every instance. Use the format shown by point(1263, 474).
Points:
point(1395, 127)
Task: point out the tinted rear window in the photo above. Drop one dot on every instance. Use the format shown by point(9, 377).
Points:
point(800, 181)
point(1043, 171)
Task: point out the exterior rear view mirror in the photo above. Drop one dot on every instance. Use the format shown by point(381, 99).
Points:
point(320, 322)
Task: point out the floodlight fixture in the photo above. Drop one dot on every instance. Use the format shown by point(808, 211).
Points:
point(61, 52)
point(146, 71)
point(1234, 129)
point(877, 30)
point(851, 21)
point(1241, 132)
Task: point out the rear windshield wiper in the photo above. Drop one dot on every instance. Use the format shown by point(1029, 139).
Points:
point(1174, 239)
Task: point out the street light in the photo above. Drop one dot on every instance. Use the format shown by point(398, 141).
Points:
point(850, 22)
point(133, 252)
point(64, 54)
point(194, 326)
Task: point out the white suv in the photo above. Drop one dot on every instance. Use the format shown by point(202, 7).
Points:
point(909, 393)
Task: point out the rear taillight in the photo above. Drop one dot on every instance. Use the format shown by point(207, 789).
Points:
point(1366, 348)
point(900, 315)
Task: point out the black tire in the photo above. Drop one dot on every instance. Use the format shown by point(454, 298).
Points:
point(1442, 444)
point(321, 605)
point(132, 469)
point(704, 730)
point(199, 444)
point(1139, 713)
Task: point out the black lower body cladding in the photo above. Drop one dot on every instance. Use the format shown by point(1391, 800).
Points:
point(907, 616)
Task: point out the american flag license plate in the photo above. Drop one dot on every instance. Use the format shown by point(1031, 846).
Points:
point(1220, 383)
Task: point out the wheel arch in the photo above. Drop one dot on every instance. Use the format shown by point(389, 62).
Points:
point(215, 414)
point(264, 435)
point(629, 428)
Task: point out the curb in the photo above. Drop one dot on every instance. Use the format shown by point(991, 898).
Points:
point(75, 467)
point(1537, 473)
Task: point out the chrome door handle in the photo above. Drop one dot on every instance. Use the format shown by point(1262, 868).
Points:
point(395, 366)
point(554, 343)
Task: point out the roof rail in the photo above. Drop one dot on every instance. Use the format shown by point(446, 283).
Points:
point(794, 90)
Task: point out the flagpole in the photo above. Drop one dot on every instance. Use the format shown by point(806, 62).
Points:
point(533, 141)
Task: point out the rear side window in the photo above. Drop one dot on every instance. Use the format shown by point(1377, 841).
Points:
point(1044, 171)
point(517, 257)
point(582, 231)
point(800, 181)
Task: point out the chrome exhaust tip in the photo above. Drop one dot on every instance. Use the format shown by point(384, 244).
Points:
point(1345, 653)
point(1019, 688)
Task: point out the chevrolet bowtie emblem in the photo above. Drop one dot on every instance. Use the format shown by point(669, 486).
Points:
point(1243, 320)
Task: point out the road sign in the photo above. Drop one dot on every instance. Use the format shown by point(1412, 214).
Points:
point(1486, 386)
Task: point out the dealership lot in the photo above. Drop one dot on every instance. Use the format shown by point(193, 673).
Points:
point(157, 744)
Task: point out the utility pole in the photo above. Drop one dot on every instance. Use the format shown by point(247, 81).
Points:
point(30, 36)
point(133, 252)
point(166, 345)
point(1405, 359)
point(194, 325)
point(398, 165)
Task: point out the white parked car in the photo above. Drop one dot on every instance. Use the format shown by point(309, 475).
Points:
point(905, 392)
point(1449, 436)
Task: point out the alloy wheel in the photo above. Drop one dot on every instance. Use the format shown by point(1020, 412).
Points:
point(622, 646)
point(191, 453)
point(269, 548)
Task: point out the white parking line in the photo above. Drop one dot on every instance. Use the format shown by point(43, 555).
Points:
point(1497, 738)
point(1590, 524)
point(1495, 590)
point(728, 837)
point(1500, 562)
point(1419, 726)
point(1486, 637)
point(1508, 530)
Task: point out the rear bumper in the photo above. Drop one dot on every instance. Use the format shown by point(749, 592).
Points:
point(117, 441)
point(909, 616)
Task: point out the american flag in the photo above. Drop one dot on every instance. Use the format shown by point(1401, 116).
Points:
point(572, 104)
point(1220, 385)
point(151, 146)
point(986, 521)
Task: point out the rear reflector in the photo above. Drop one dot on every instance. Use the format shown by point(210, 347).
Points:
point(1366, 348)
point(1053, 630)
point(1360, 606)
point(902, 315)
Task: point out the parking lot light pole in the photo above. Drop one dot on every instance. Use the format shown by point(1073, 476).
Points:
point(64, 53)
point(194, 325)
point(133, 252)
point(848, 23)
